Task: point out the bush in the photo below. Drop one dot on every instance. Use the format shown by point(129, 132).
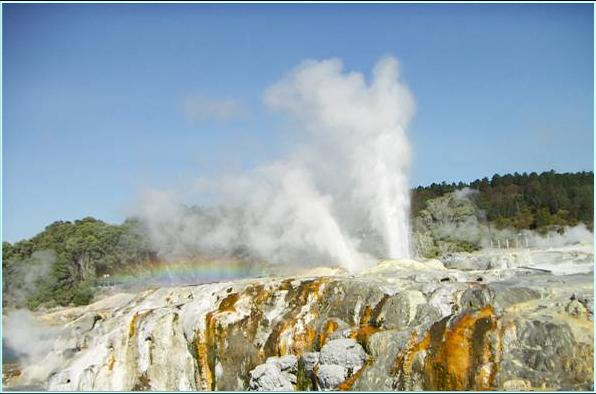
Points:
point(83, 295)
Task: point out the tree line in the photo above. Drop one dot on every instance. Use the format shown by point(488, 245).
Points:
point(531, 201)
point(62, 264)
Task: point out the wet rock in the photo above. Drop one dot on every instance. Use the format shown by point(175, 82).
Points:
point(586, 301)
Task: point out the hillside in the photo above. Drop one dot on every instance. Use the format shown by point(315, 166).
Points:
point(524, 201)
point(65, 263)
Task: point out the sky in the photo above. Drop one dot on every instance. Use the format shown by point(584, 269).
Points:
point(101, 101)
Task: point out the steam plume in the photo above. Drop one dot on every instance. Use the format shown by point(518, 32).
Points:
point(32, 342)
point(348, 178)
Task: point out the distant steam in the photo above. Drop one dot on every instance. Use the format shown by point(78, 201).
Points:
point(347, 180)
point(27, 275)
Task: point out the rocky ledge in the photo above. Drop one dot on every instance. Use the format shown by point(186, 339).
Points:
point(517, 319)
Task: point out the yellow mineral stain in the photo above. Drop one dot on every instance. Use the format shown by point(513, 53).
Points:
point(366, 327)
point(205, 372)
point(328, 329)
point(302, 340)
point(133, 325)
point(227, 304)
point(111, 362)
point(458, 357)
point(403, 362)
point(449, 365)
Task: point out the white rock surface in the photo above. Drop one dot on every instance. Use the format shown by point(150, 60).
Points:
point(186, 338)
point(345, 352)
point(268, 377)
point(330, 376)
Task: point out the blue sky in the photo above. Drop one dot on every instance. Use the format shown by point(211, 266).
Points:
point(96, 96)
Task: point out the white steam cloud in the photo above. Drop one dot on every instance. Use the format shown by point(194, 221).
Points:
point(569, 235)
point(32, 342)
point(347, 179)
point(27, 275)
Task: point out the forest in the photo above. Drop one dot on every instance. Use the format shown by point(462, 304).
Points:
point(62, 264)
point(525, 201)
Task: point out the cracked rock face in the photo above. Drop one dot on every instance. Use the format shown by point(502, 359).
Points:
point(401, 325)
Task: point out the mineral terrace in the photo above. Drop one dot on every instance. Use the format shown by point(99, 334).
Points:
point(515, 319)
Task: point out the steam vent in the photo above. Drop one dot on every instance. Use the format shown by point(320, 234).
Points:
point(401, 325)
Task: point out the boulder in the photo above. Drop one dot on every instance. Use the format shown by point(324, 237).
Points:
point(288, 363)
point(343, 352)
point(311, 360)
point(269, 377)
point(330, 376)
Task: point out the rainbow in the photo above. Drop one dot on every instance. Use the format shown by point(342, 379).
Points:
point(170, 273)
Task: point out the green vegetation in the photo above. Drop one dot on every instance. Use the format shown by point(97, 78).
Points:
point(449, 223)
point(62, 264)
point(525, 201)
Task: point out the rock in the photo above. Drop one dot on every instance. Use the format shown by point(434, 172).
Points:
point(446, 224)
point(517, 385)
point(399, 310)
point(341, 334)
point(268, 377)
point(330, 376)
point(476, 296)
point(86, 322)
point(338, 360)
point(347, 299)
point(443, 298)
point(395, 326)
point(543, 353)
point(577, 309)
point(345, 352)
point(383, 347)
point(311, 360)
point(586, 301)
point(507, 295)
point(288, 363)
point(291, 377)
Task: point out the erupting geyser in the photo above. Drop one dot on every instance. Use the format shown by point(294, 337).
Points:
point(359, 151)
point(348, 176)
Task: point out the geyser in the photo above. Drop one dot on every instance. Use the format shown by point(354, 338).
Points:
point(359, 150)
point(347, 177)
